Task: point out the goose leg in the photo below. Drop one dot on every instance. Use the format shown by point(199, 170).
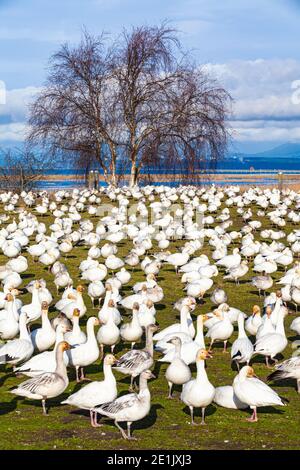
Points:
point(225, 350)
point(203, 416)
point(237, 366)
point(170, 390)
point(77, 375)
point(253, 418)
point(44, 407)
point(132, 344)
point(122, 430)
point(112, 348)
point(82, 376)
point(131, 388)
point(298, 385)
point(129, 436)
point(192, 415)
point(267, 363)
point(211, 345)
point(94, 422)
point(93, 302)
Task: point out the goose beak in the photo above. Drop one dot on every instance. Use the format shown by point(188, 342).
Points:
point(152, 376)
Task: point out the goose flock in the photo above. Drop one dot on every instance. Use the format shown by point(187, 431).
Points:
point(109, 306)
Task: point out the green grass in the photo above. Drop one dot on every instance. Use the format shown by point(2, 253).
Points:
point(22, 425)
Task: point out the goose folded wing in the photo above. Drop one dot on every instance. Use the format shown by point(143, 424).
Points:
point(36, 383)
point(262, 393)
point(12, 351)
point(290, 365)
point(132, 359)
point(121, 403)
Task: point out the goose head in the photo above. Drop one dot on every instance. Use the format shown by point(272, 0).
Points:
point(147, 374)
point(203, 354)
point(80, 288)
point(255, 310)
point(109, 360)
point(64, 346)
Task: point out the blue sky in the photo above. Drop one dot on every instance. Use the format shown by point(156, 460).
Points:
point(252, 46)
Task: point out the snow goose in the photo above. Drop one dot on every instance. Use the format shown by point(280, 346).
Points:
point(266, 326)
point(218, 296)
point(97, 392)
point(74, 302)
point(289, 369)
point(9, 325)
point(76, 336)
point(129, 408)
point(255, 393)
point(43, 338)
point(109, 309)
point(48, 384)
point(146, 314)
point(198, 392)
point(33, 310)
point(178, 259)
point(220, 331)
point(237, 272)
point(85, 354)
point(132, 332)
point(108, 334)
point(262, 283)
point(96, 290)
point(254, 321)
point(177, 372)
point(271, 344)
point(137, 360)
point(229, 261)
point(242, 348)
point(20, 349)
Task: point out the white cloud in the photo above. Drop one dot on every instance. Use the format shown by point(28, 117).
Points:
point(264, 105)
point(13, 132)
point(17, 101)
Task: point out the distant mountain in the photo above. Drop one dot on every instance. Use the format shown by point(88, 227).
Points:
point(289, 150)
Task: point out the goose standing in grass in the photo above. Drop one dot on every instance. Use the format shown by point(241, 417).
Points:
point(134, 362)
point(9, 325)
point(289, 369)
point(262, 283)
point(85, 354)
point(20, 349)
point(43, 338)
point(198, 392)
point(48, 384)
point(108, 335)
point(254, 321)
point(132, 332)
point(220, 331)
point(129, 408)
point(266, 326)
point(271, 344)
point(178, 372)
point(33, 310)
point(242, 348)
point(96, 393)
point(76, 336)
point(255, 393)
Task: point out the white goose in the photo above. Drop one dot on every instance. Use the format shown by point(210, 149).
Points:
point(177, 372)
point(242, 348)
point(43, 338)
point(108, 334)
point(47, 384)
point(76, 336)
point(96, 393)
point(198, 392)
point(129, 408)
point(20, 349)
point(86, 353)
point(253, 392)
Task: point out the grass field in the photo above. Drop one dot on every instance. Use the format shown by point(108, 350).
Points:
point(22, 425)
